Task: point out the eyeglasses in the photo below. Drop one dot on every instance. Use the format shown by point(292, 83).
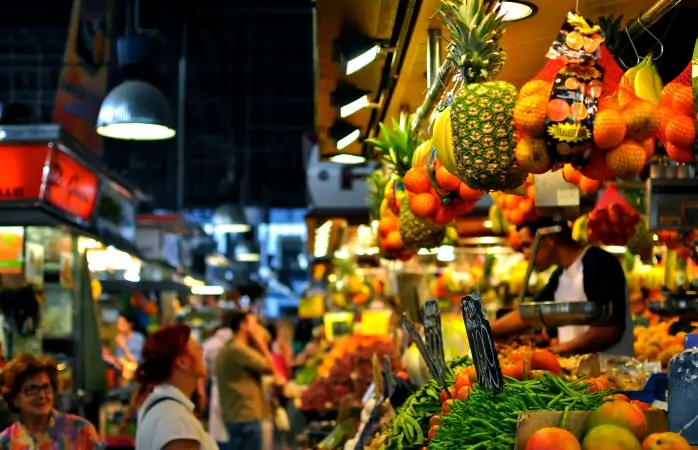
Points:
point(33, 390)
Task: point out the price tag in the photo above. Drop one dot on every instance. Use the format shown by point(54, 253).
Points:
point(567, 197)
point(311, 307)
point(421, 346)
point(489, 373)
point(433, 333)
point(388, 386)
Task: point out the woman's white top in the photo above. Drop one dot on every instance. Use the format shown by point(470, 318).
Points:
point(169, 420)
point(212, 346)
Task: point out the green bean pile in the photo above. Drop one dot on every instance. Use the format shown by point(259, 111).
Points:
point(486, 421)
point(411, 424)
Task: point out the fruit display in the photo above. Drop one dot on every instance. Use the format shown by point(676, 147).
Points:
point(412, 423)
point(347, 346)
point(384, 196)
point(436, 194)
point(576, 115)
point(654, 343)
point(612, 221)
point(474, 136)
point(677, 129)
point(350, 373)
point(518, 209)
point(398, 147)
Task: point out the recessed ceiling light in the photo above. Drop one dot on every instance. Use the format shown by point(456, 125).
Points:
point(514, 10)
point(347, 158)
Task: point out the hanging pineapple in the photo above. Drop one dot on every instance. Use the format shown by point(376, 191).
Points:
point(476, 140)
point(398, 147)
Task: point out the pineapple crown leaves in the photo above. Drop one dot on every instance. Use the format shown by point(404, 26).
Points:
point(376, 183)
point(476, 27)
point(397, 145)
point(611, 30)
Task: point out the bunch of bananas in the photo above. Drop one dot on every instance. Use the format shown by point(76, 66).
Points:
point(644, 80)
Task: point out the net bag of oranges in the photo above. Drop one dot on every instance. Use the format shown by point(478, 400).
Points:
point(436, 194)
point(518, 209)
point(677, 129)
point(576, 112)
point(613, 221)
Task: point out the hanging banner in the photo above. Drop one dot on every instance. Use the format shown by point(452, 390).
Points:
point(22, 171)
point(11, 250)
point(83, 82)
point(70, 186)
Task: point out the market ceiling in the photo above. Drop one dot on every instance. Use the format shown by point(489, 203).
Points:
point(525, 43)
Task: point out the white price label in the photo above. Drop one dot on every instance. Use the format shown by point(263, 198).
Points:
point(567, 197)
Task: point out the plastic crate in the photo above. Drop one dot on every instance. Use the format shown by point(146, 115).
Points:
point(654, 389)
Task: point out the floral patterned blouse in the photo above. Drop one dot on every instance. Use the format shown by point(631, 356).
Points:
point(65, 432)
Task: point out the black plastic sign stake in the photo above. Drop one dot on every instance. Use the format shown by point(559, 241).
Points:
point(388, 387)
point(489, 373)
point(433, 333)
point(421, 346)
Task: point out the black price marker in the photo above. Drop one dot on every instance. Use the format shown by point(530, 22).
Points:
point(388, 386)
point(433, 333)
point(421, 346)
point(489, 373)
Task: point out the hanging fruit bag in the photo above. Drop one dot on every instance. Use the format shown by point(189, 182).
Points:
point(677, 129)
point(613, 221)
point(575, 110)
point(518, 209)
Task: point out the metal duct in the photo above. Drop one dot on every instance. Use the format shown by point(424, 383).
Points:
point(433, 54)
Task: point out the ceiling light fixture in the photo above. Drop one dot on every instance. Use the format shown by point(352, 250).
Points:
point(515, 10)
point(136, 110)
point(355, 51)
point(347, 158)
point(344, 134)
point(349, 99)
point(230, 219)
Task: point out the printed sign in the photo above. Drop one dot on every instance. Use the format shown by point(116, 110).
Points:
point(71, 186)
point(433, 333)
point(11, 250)
point(489, 373)
point(21, 171)
point(421, 346)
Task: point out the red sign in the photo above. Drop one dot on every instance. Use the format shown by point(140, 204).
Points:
point(21, 171)
point(71, 186)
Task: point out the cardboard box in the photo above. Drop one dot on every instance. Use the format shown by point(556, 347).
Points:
point(531, 422)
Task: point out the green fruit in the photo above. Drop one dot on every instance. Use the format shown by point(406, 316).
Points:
point(416, 232)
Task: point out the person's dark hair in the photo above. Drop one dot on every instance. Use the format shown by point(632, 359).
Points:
point(273, 331)
point(159, 353)
point(226, 318)
point(565, 235)
point(16, 372)
point(129, 317)
point(237, 318)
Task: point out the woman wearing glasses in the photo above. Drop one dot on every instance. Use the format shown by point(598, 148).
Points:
point(28, 385)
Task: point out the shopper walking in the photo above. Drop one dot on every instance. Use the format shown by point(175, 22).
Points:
point(212, 347)
point(172, 365)
point(28, 386)
point(240, 366)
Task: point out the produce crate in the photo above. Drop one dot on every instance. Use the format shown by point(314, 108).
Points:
point(654, 389)
point(531, 422)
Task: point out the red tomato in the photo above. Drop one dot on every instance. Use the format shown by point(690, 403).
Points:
point(620, 397)
point(519, 371)
point(517, 356)
point(545, 360)
point(444, 396)
point(462, 380)
point(640, 405)
point(470, 372)
point(463, 392)
point(432, 432)
point(435, 420)
point(446, 408)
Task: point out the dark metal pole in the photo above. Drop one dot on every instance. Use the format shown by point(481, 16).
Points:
point(433, 54)
point(181, 106)
point(650, 16)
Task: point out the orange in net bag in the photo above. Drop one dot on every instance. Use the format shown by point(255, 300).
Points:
point(577, 109)
point(518, 209)
point(677, 129)
point(613, 220)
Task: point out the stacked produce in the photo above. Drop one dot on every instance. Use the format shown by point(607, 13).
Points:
point(347, 346)
point(573, 113)
point(398, 147)
point(383, 203)
point(612, 221)
point(474, 136)
point(436, 194)
point(349, 374)
point(518, 209)
point(654, 343)
point(677, 129)
point(584, 183)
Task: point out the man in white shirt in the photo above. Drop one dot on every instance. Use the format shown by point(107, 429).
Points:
point(212, 345)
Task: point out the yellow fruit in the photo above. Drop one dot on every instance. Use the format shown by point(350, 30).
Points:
point(626, 160)
point(532, 155)
point(421, 152)
point(642, 120)
point(529, 115)
point(442, 139)
point(609, 129)
point(536, 87)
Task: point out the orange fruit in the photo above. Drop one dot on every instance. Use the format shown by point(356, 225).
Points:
point(536, 87)
point(516, 217)
point(526, 206)
point(626, 160)
point(608, 103)
point(679, 154)
point(423, 205)
point(609, 129)
point(529, 114)
point(682, 102)
point(387, 224)
point(532, 155)
point(596, 168)
point(589, 186)
point(531, 191)
point(579, 111)
point(667, 96)
point(570, 174)
point(416, 181)
point(468, 193)
point(446, 180)
point(641, 118)
point(511, 201)
point(444, 215)
point(648, 145)
point(665, 115)
point(393, 241)
point(681, 131)
point(558, 110)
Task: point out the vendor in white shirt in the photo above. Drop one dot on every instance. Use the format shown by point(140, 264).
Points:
point(582, 274)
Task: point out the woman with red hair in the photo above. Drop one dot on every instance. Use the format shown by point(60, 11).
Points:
point(171, 365)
